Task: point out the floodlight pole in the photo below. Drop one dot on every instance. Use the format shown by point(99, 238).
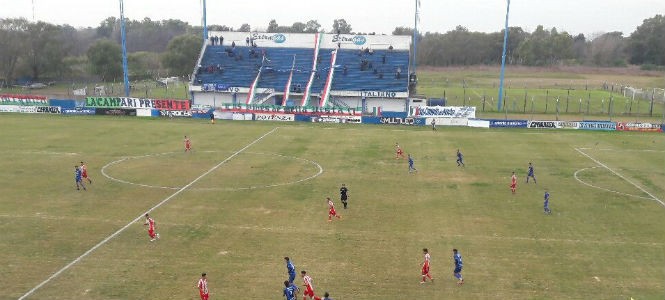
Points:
point(205, 24)
point(503, 58)
point(123, 38)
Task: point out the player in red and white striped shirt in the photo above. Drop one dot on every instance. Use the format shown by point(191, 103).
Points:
point(425, 271)
point(513, 183)
point(331, 210)
point(203, 287)
point(151, 227)
point(309, 288)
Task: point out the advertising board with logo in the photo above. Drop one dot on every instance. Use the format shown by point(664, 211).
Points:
point(175, 113)
point(402, 121)
point(468, 112)
point(597, 125)
point(78, 111)
point(275, 117)
point(542, 124)
point(509, 123)
point(48, 109)
point(337, 119)
point(104, 111)
point(635, 126)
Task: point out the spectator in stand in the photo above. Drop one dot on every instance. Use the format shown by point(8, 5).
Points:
point(383, 58)
point(390, 48)
point(221, 40)
point(345, 70)
point(247, 41)
point(212, 40)
point(398, 73)
point(381, 75)
point(233, 45)
point(370, 51)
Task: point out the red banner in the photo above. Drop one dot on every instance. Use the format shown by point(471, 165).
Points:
point(643, 127)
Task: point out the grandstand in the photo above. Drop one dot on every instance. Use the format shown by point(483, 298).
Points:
point(314, 70)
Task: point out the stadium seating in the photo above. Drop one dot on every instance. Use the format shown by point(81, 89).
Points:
point(239, 68)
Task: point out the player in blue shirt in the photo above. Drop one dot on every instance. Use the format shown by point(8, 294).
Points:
point(458, 266)
point(460, 159)
point(291, 269)
point(290, 291)
point(78, 178)
point(546, 203)
point(411, 167)
point(530, 174)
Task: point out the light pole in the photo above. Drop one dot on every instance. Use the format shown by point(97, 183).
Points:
point(123, 38)
point(503, 58)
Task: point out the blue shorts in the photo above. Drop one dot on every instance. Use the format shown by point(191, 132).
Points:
point(458, 270)
point(78, 179)
point(292, 277)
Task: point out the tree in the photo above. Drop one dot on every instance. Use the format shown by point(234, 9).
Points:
point(182, 53)
point(340, 26)
point(12, 45)
point(647, 43)
point(143, 65)
point(105, 58)
point(401, 30)
point(106, 27)
point(272, 26)
point(46, 50)
point(608, 49)
point(244, 28)
point(312, 26)
point(298, 27)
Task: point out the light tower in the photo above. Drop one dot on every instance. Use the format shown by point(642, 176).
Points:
point(503, 59)
point(123, 39)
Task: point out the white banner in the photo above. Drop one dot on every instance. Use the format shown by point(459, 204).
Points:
point(27, 109)
point(48, 109)
point(80, 92)
point(144, 112)
point(337, 119)
point(242, 117)
point(9, 108)
point(468, 112)
point(275, 117)
point(448, 121)
point(479, 123)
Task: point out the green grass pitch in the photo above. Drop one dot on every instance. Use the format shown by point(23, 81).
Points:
point(604, 240)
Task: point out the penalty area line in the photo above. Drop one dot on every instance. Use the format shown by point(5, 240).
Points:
point(622, 177)
point(104, 241)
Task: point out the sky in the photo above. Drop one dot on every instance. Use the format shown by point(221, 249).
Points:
point(589, 17)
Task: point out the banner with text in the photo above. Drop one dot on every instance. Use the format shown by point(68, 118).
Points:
point(597, 125)
point(314, 110)
point(125, 102)
point(509, 123)
point(103, 111)
point(23, 100)
point(275, 117)
point(467, 112)
point(48, 109)
point(78, 111)
point(337, 119)
point(643, 127)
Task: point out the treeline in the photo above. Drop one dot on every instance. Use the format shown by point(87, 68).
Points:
point(35, 51)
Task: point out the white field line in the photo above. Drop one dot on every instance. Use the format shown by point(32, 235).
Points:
point(104, 241)
point(318, 166)
point(622, 177)
point(602, 188)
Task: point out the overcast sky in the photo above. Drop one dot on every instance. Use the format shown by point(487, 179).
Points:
point(380, 16)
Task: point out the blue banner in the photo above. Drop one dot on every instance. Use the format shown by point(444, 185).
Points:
point(65, 104)
point(394, 114)
point(508, 123)
point(78, 111)
point(598, 125)
point(662, 127)
point(303, 118)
